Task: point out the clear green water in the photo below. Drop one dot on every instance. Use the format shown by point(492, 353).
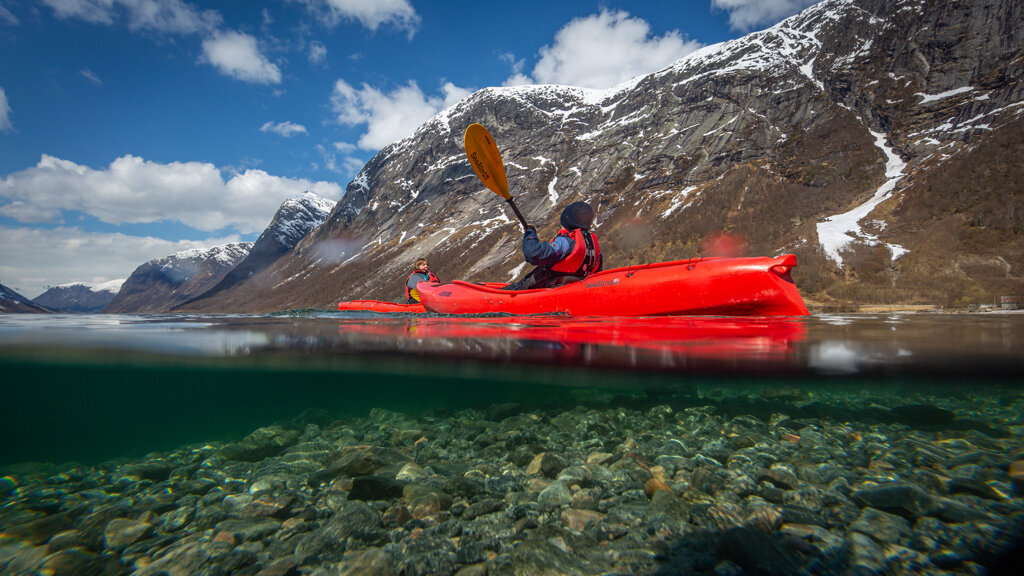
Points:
point(325, 443)
point(90, 388)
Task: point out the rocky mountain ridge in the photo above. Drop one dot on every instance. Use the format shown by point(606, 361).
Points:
point(879, 141)
point(13, 303)
point(296, 218)
point(79, 296)
point(162, 283)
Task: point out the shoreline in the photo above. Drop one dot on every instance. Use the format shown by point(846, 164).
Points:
point(821, 308)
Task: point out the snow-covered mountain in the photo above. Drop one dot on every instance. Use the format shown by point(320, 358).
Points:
point(79, 296)
point(13, 303)
point(296, 218)
point(878, 140)
point(161, 284)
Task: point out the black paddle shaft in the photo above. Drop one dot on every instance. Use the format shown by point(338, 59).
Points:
point(518, 213)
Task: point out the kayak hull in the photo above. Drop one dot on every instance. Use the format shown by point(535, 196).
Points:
point(380, 306)
point(759, 286)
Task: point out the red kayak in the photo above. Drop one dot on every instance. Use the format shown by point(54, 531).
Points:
point(759, 286)
point(380, 306)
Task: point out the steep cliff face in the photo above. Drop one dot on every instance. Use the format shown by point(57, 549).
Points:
point(161, 284)
point(79, 297)
point(296, 218)
point(877, 140)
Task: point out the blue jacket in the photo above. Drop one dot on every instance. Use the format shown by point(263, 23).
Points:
point(545, 254)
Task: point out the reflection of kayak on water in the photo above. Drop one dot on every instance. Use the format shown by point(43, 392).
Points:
point(759, 286)
point(666, 340)
point(380, 306)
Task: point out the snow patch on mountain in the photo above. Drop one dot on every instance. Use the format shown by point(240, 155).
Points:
point(515, 272)
point(227, 255)
point(925, 98)
point(839, 231)
point(80, 297)
point(113, 286)
point(297, 216)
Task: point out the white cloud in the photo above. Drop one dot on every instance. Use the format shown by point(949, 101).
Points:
point(31, 258)
point(352, 165)
point(237, 54)
point(234, 54)
point(317, 53)
point(372, 15)
point(91, 76)
point(518, 80)
point(286, 129)
point(749, 14)
point(344, 147)
point(603, 49)
point(5, 113)
point(8, 16)
point(28, 212)
point(133, 190)
point(393, 116)
point(348, 165)
point(94, 11)
point(167, 16)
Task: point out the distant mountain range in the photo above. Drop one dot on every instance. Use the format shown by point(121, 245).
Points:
point(13, 303)
point(878, 141)
point(296, 218)
point(79, 296)
point(162, 283)
point(187, 281)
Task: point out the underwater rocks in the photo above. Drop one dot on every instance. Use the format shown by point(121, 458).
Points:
point(681, 485)
point(262, 443)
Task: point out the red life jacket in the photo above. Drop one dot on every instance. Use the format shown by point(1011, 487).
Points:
point(584, 256)
point(431, 277)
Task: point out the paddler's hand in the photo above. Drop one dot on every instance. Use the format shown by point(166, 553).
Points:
point(529, 230)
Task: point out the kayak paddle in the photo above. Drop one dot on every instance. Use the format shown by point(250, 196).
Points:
point(486, 161)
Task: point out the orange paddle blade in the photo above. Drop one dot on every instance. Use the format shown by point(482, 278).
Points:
point(486, 160)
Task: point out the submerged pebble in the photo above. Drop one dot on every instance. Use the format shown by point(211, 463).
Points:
point(691, 484)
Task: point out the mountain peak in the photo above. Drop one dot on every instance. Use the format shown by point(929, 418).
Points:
point(80, 296)
point(162, 283)
point(294, 220)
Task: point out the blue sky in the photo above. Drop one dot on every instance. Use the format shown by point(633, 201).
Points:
point(132, 129)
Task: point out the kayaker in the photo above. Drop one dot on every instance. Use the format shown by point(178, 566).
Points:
point(420, 273)
point(573, 254)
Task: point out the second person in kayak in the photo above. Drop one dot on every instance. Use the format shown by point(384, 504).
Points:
point(572, 255)
point(420, 273)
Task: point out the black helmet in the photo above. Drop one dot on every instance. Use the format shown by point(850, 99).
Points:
point(577, 215)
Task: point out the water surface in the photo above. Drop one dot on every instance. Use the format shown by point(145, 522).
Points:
point(82, 387)
point(318, 443)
